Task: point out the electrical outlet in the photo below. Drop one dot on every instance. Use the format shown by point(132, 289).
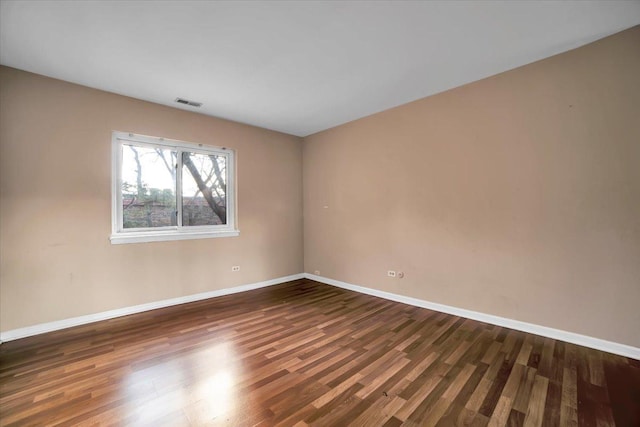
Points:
point(391, 273)
point(235, 268)
point(400, 274)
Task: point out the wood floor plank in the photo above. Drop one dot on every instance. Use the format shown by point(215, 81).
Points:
point(521, 400)
point(502, 410)
point(535, 411)
point(308, 354)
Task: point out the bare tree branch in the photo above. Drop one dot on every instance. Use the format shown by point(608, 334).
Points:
point(170, 167)
point(219, 175)
point(220, 211)
point(139, 183)
point(136, 157)
point(133, 200)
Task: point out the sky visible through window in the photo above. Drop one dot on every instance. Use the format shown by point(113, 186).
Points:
point(155, 172)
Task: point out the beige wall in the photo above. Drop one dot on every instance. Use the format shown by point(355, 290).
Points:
point(518, 195)
point(55, 185)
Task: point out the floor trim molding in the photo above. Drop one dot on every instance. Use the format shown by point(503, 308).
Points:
point(558, 334)
point(105, 315)
point(571, 337)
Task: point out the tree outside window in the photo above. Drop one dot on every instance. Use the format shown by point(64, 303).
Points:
point(164, 186)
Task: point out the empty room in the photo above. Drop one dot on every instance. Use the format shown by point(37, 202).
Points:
point(319, 213)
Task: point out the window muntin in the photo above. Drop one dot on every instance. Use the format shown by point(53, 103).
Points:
point(170, 190)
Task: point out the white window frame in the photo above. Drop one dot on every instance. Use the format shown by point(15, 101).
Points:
point(121, 235)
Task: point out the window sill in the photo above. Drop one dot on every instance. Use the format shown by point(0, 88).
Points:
point(162, 236)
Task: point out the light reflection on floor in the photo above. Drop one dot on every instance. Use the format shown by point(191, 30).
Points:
point(198, 386)
point(217, 394)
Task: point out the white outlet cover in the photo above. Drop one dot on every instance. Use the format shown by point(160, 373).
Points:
point(391, 273)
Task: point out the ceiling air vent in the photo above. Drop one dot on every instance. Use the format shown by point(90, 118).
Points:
point(187, 102)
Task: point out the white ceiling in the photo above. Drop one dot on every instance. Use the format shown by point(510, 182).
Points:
point(295, 67)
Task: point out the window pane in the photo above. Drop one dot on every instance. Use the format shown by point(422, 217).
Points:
point(148, 187)
point(204, 189)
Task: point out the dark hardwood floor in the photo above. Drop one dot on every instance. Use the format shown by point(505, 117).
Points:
point(304, 353)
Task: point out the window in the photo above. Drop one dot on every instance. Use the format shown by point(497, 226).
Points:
point(170, 190)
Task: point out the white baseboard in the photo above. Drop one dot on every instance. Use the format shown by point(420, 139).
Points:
point(571, 337)
point(105, 315)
